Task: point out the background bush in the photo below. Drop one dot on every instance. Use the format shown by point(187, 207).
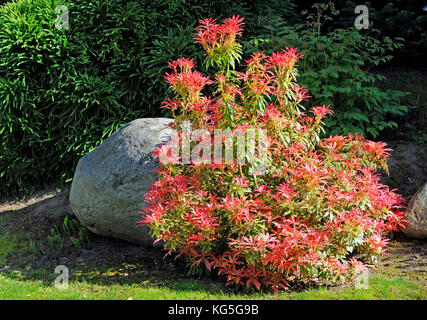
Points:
point(64, 91)
point(336, 70)
point(399, 18)
point(30, 53)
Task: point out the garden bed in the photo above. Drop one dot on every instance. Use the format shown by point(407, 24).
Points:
point(104, 268)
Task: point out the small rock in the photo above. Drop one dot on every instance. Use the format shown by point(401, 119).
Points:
point(416, 214)
point(4, 270)
point(23, 272)
point(63, 260)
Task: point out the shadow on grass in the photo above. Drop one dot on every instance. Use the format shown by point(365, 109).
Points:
point(37, 241)
point(105, 262)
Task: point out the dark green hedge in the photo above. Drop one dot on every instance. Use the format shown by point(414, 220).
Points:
point(63, 91)
point(398, 18)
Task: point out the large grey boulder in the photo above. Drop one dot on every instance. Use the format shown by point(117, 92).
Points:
point(416, 214)
point(110, 181)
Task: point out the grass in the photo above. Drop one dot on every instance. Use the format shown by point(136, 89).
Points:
point(117, 283)
point(32, 246)
point(7, 246)
point(11, 287)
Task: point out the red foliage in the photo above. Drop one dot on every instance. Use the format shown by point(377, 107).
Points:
point(319, 202)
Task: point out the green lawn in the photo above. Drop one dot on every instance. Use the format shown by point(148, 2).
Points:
point(31, 247)
point(381, 288)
